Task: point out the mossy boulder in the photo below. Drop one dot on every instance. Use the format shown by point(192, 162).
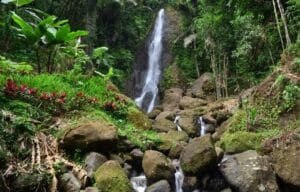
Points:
point(139, 119)
point(160, 186)
point(198, 156)
point(239, 141)
point(163, 123)
point(172, 98)
point(286, 158)
point(191, 103)
point(157, 166)
point(170, 139)
point(31, 182)
point(110, 177)
point(203, 86)
point(96, 135)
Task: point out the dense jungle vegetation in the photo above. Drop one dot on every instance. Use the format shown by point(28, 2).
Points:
point(69, 61)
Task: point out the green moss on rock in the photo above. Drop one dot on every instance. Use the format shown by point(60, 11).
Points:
point(240, 141)
point(170, 139)
point(110, 177)
point(139, 119)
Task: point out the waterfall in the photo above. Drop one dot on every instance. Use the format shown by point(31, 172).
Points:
point(176, 122)
point(202, 126)
point(179, 176)
point(150, 87)
point(139, 183)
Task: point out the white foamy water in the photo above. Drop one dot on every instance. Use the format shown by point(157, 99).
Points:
point(179, 176)
point(139, 183)
point(202, 126)
point(176, 122)
point(150, 87)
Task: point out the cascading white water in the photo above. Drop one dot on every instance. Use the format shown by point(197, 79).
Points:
point(139, 183)
point(176, 122)
point(179, 176)
point(202, 126)
point(150, 86)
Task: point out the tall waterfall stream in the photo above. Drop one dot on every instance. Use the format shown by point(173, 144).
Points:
point(150, 87)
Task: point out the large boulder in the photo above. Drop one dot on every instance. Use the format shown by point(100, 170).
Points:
point(187, 123)
point(172, 99)
point(239, 141)
point(249, 172)
point(69, 183)
point(99, 136)
point(160, 186)
point(139, 119)
point(176, 150)
point(286, 158)
point(163, 123)
point(92, 162)
point(191, 103)
point(170, 139)
point(157, 166)
point(203, 86)
point(31, 182)
point(110, 177)
point(198, 156)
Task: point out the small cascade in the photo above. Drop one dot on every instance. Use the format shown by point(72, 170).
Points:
point(176, 122)
point(139, 183)
point(179, 176)
point(150, 86)
point(202, 126)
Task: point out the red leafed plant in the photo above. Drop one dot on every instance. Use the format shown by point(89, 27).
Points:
point(11, 88)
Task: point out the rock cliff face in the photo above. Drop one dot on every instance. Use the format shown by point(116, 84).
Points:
point(172, 24)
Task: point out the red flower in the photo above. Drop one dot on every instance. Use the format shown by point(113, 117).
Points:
point(62, 95)
point(61, 100)
point(80, 94)
point(11, 87)
point(44, 96)
point(53, 95)
point(23, 88)
point(31, 91)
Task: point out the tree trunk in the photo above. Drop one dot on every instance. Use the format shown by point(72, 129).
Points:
point(196, 62)
point(91, 25)
point(39, 68)
point(283, 18)
point(277, 24)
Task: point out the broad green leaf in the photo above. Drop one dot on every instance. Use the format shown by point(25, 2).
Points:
point(76, 34)
point(48, 21)
point(20, 3)
point(63, 32)
point(25, 28)
point(60, 23)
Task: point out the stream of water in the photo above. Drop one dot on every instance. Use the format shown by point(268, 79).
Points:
point(150, 87)
point(202, 126)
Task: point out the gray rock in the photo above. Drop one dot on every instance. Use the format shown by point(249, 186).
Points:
point(286, 159)
point(190, 183)
point(160, 186)
point(172, 99)
point(98, 135)
point(157, 167)
point(203, 86)
point(116, 158)
point(30, 182)
point(69, 183)
point(191, 103)
point(198, 156)
point(249, 172)
point(93, 161)
point(91, 189)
